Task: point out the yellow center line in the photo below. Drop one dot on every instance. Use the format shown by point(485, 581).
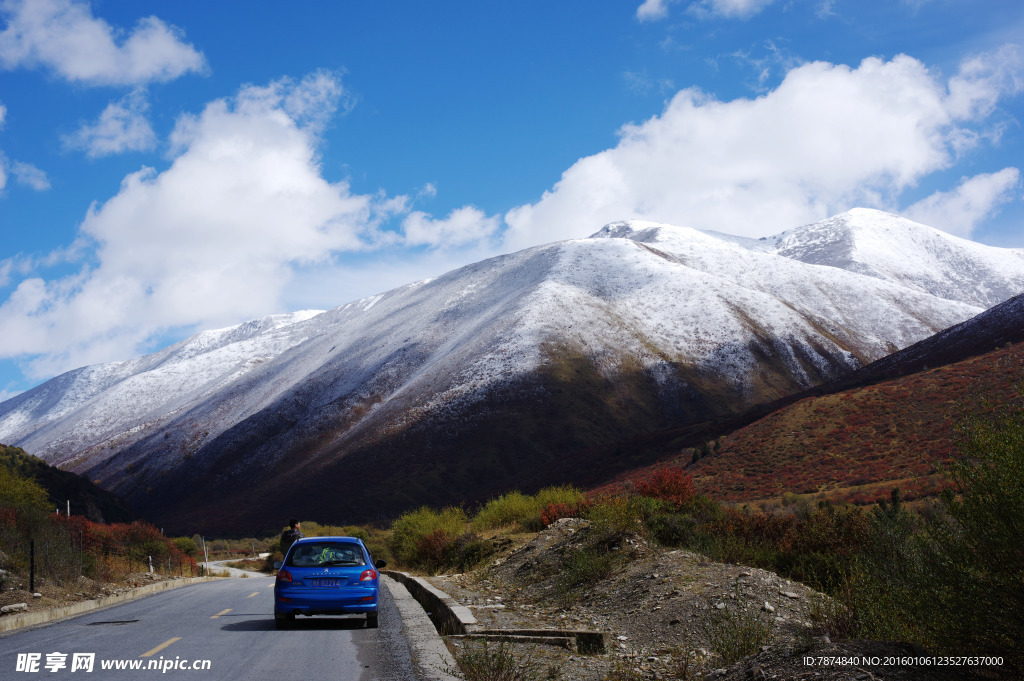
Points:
point(222, 612)
point(160, 647)
point(254, 593)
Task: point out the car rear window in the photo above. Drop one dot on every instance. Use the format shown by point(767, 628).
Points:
point(324, 554)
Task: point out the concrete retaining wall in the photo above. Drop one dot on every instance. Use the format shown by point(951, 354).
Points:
point(445, 612)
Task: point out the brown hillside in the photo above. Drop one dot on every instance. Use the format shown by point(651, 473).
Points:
point(858, 444)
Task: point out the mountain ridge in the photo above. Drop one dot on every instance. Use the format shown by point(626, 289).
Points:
point(661, 324)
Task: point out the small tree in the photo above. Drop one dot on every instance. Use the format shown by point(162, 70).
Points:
point(974, 555)
point(187, 546)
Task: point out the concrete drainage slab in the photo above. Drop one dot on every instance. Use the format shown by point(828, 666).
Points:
point(455, 620)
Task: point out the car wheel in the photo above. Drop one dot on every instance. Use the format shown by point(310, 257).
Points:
point(371, 620)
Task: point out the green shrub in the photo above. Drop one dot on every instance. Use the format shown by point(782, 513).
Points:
point(314, 529)
point(186, 545)
point(617, 516)
point(488, 662)
point(523, 511)
point(735, 634)
point(469, 551)
point(509, 509)
point(582, 568)
point(416, 536)
point(21, 493)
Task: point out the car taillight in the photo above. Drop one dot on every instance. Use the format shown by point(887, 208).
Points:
point(368, 576)
point(284, 576)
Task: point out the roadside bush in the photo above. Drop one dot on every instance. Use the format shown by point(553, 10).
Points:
point(186, 545)
point(514, 508)
point(526, 512)
point(314, 529)
point(469, 551)
point(268, 562)
point(419, 537)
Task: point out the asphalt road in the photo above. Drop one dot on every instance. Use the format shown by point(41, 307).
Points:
point(229, 623)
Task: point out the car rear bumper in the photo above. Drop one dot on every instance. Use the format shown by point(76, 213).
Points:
point(325, 601)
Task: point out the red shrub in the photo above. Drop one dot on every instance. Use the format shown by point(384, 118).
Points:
point(555, 512)
point(432, 548)
point(671, 484)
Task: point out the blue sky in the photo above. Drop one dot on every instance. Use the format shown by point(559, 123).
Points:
point(170, 167)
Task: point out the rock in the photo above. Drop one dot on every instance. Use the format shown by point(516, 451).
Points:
point(768, 607)
point(720, 606)
point(15, 607)
point(37, 595)
point(790, 594)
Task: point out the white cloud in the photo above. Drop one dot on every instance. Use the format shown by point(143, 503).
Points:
point(24, 173)
point(652, 10)
point(959, 211)
point(828, 138)
point(213, 239)
point(730, 9)
point(984, 79)
point(463, 226)
point(65, 37)
point(30, 176)
point(121, 127)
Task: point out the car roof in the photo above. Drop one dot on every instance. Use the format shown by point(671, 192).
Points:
point(304, 540)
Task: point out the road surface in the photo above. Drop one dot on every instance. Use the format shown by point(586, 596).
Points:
point(214, 631)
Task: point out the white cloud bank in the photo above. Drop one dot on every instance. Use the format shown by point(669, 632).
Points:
point(828, 138)
point(64, 37)
point(224, 234)
point(209, 241)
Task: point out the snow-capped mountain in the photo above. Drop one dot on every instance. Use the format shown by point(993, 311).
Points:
point(904, 252)
point(487, 377)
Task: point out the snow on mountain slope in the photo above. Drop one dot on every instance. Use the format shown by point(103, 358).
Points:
point(711, 322)
point(99, 400)
point(895, 249)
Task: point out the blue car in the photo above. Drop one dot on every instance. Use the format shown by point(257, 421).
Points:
point(326, 576)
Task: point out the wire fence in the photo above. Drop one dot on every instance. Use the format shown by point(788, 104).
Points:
point(61, 549)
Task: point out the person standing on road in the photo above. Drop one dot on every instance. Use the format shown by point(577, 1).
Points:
point(289, 536)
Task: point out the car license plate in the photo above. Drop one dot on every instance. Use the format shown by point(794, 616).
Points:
point(326, 582)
